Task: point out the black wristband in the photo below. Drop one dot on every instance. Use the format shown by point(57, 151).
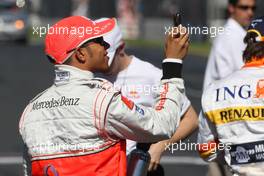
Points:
point(171, 70)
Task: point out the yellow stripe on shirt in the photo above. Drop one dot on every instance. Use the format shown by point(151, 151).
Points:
point(234, 114)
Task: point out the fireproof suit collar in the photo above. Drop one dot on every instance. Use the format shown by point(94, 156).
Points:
point(65, 74)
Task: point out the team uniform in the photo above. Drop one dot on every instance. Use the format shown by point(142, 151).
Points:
point(233, 115)
point(225, 56)
point(139, 82)
point(78, 126)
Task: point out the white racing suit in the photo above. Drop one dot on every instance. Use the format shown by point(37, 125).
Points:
point(141, 88)
point(78, 125)
point(232, 121)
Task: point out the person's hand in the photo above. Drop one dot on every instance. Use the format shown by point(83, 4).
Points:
point(177, 43)
point(155, 152)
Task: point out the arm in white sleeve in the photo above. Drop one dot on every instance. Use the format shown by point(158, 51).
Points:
point(185, 106)
point(130, 121)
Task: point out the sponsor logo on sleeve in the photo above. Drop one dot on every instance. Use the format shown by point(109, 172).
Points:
point(128, 103)
point(140, 110)
point(163, 95)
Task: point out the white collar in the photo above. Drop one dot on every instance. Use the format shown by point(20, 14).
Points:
point(235, 26)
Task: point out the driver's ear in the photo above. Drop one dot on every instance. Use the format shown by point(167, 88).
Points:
point(81, 54)
point(121, 49)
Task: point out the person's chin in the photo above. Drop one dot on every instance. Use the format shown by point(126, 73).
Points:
point(245, 24)
point(248, 21)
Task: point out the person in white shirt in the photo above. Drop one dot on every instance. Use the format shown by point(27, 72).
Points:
point(138, 80)
point(226, 53)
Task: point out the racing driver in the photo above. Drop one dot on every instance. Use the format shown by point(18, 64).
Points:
point(78, 126)
point(232, 122)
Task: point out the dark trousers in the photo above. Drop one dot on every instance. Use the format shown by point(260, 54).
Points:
point(158, 172)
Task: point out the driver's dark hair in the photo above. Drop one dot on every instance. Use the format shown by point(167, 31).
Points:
point(67, 62)
point(233, 2)
point(254, 49)
point(50, 59)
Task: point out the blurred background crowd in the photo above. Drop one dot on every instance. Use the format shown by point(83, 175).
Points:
point(139, 19)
